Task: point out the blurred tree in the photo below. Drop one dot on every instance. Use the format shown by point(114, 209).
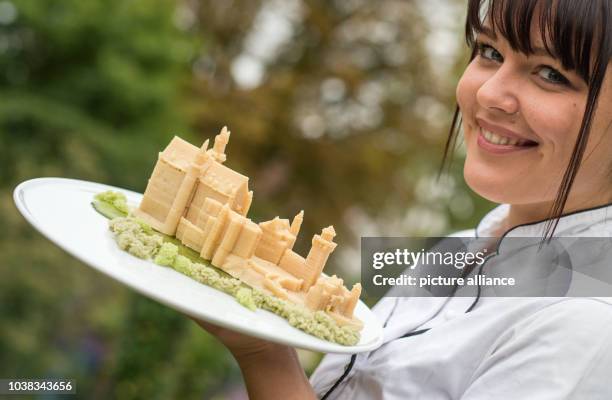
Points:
point(81, 90)
point(91, 90)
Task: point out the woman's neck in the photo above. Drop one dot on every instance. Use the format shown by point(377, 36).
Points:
point(520, 214)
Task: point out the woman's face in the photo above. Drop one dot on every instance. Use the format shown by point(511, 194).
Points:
point(521, 118)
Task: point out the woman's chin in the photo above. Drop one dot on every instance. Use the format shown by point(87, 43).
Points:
point(496, 188)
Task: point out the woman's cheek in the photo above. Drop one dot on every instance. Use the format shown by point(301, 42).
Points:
point(466, 91)
point(467, 88)
point(557, 122)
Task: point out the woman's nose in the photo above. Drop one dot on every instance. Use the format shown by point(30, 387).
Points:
point(499, 92)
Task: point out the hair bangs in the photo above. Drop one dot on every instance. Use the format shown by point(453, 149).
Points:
point(576, 32)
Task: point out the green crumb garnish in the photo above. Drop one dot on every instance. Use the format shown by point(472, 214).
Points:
point(145, 227)
point(133, 238)
point(166, 254)
point(245, 297)
point(115, 199)
point(182, 264)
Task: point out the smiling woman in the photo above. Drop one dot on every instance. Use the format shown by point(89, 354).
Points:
point(536, 104)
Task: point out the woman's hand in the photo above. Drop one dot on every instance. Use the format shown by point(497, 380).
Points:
point(270, 370)
point(240, 345)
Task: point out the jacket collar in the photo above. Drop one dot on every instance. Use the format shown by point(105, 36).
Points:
point(596, 222)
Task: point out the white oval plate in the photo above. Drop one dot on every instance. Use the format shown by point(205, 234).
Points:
point(61, 210)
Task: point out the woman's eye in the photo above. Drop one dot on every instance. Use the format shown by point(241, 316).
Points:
point(552, 75)
point(489, 52)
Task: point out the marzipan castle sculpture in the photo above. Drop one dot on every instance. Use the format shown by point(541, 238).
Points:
point(193, 196)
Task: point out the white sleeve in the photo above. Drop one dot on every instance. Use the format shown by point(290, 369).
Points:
point(562, 352)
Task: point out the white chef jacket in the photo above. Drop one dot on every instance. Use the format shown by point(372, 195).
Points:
point(505, 348)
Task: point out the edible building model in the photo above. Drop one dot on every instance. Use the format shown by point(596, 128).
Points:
point(202, 202)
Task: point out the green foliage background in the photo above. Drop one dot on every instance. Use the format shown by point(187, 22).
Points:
point(346, 123)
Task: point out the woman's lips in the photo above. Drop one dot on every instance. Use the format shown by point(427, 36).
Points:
point(499, 144)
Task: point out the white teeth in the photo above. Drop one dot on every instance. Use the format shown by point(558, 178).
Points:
point(501, 140)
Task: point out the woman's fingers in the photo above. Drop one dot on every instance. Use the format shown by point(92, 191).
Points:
point(237, 343)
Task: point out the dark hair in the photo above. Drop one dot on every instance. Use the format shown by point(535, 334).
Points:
point(577, 32)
